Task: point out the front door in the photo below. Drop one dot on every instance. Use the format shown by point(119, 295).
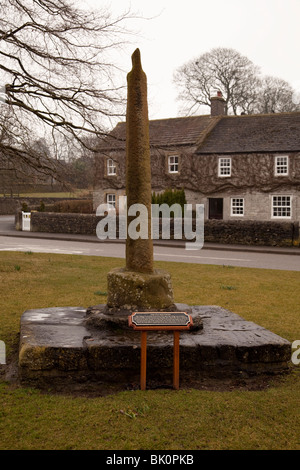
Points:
point(215, 208)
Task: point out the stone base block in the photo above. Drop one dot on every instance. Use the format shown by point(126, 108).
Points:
point(57, 344)
point(131, 290)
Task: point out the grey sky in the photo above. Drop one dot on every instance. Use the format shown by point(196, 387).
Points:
point(266, 31)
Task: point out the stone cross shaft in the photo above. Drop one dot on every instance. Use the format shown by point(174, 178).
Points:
point(139, 252)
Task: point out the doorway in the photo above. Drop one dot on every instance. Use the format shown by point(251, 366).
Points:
point(215, 208)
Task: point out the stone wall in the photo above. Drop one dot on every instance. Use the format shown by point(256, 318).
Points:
point(244, 232)
point(250, 232)
point(253, 179)
point(257, 205)
point(198, 174)
point(8, 206)
point(51, 222)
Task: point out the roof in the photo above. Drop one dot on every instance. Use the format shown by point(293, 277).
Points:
point(219, 134)
point(254, 133)
point(162, 132)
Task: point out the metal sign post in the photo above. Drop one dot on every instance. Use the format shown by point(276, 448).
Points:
point(155, 321)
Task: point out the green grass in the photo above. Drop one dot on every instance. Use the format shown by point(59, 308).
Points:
point(161, 419)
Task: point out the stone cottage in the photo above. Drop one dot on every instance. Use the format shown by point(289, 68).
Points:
point(240, 167)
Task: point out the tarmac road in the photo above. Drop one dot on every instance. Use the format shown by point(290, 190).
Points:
point(228, 255)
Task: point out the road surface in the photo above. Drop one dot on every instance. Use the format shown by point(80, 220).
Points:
point(225, 257)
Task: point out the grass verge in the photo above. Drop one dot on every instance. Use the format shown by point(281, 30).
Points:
point(58, 194)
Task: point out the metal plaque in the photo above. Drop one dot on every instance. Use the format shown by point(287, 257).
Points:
point(160, 319)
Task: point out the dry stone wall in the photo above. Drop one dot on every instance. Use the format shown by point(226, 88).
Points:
point(244, 232)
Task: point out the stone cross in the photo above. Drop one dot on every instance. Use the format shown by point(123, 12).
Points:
point(139, 252)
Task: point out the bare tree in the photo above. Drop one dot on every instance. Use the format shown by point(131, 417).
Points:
point(220, 69)
point(274, 95)
point(239, 80)
point(57, 76)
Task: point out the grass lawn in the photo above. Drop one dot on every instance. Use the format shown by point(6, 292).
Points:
point(155, 419)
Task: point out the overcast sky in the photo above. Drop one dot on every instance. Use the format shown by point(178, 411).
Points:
point(265, 31)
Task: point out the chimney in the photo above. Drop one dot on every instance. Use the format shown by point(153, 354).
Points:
point(218, 105)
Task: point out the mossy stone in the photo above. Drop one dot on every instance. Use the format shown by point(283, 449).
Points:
point(133, 290)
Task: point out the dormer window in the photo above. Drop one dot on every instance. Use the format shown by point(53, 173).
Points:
point(173, 163)
point(282, 165)
point(111, 167)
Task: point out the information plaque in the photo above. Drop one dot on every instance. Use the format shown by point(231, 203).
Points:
point(146, 321)
point(160, 321)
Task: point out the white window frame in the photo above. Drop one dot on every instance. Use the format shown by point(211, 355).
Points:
point(281, 205)
point(111, 199)
point(173, 163)
point(224, 164)
point(111, 167)
point(237, 204)
point(279, 165)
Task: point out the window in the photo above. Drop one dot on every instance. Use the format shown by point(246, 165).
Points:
point(281, 206)
point(173, 163)
point(111, 199)
point(281, 165)
point(237, 206)
point(224, 166)
point(111, 167)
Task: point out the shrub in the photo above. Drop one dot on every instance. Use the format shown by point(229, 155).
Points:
point(73, 206)
point(170, 197)
point(42, 207)
point(25, 207)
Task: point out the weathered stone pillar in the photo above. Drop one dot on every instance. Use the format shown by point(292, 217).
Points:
point(139, 253)
point(138, 285)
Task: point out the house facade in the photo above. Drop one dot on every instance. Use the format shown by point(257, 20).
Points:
point(240, 167)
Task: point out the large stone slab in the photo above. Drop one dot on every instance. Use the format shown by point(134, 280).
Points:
point(58, 343)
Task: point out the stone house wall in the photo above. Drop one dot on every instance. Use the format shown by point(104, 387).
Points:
point(252, 178)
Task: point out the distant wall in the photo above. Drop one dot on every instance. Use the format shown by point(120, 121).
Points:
point(244, 232)
point(9, 206)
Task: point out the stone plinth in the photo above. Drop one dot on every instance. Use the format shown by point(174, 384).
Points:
point(57, 343)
